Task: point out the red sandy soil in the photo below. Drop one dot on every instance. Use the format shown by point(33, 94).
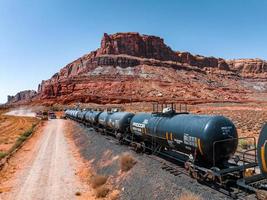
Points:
point(11, 127)
point(44, 167)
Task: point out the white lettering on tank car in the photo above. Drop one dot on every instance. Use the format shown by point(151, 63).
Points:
point(139, 125)
point(226, 130)
point(178, 141)
point(137, 129)
point(190, 140)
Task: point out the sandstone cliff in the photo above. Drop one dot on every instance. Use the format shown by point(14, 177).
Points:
point(132, 67)
point(249, 67)
point(134, 44)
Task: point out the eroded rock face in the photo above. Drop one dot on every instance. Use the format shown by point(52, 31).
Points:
point(129, 48)
point(132, 67)
point(23, 96)
point(134, 44)
point(201, 61)
point(145, 46)
point(245, 66)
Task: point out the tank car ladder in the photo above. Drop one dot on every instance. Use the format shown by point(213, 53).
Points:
point(156, 147)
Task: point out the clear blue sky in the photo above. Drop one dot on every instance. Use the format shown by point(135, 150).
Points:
point(37, 37)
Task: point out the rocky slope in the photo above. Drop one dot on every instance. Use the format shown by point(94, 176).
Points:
point(132, 67)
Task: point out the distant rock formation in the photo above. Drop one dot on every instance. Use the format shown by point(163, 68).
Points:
point(248, 66)
point(201, 61)
point(21, 97)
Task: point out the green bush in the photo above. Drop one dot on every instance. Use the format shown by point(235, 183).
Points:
point(2, 154)
point(22, 138)
point(243, 144)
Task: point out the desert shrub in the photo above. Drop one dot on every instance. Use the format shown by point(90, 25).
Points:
point(101, 192)
point(189, 196)
point(127, 162)
point(2, 154)
point(22, 138)
point(243, 144)
point(114, 195)
point(33, 126)
point(27, 133)
point(78, 193)
point(98, 180)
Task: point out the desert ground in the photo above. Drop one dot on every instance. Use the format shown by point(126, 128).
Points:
point(66, 160)
point(12, 125)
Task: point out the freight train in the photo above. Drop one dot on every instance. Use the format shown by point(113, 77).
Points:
point(207, 145)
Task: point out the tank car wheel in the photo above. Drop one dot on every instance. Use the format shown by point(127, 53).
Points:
point(118, 136)
point(103, 132)
point(122, 141)
point(186, 166)
point(191, 174)
point(201, 178)
point(143, 146)
point(148, 149)
point(138, 148)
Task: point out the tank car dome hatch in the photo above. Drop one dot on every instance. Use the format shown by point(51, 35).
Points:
point(167, 110)
point(262, 150)
point(114, 110)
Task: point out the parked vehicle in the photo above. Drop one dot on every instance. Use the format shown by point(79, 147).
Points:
point(51, 115)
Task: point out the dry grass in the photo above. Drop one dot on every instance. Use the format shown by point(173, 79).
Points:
point(189, 196)
point(114, 195)
point(243, 144)
point(101, 192)
point(12, 129)
point(127, 162)
point(98, 180)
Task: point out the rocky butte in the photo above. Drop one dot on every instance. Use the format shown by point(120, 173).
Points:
point(130, 67)
point(22, 97)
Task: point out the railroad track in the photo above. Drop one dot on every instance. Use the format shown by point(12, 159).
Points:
point(177, 170)
point(172, 167)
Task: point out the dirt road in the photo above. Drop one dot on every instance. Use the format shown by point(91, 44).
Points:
point(50, 173)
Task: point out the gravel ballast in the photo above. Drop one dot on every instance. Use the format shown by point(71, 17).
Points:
point(145, 181)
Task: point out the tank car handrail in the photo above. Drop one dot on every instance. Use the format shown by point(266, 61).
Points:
point(230, 139)
point(254, 149)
